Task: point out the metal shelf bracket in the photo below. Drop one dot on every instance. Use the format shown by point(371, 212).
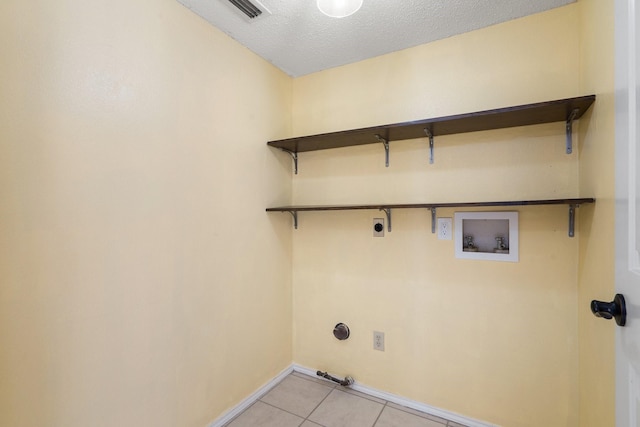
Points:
point(387, 211)
point(569, 129)
point(572, 219)
point(430, 136)
point(294, 214)
point(294, 156)
point(433, 220)
point(386, 150)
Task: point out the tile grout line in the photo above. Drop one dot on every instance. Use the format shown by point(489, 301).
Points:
point(283, 410)
point(308, 379)
point(380, 414)
point(317, 406)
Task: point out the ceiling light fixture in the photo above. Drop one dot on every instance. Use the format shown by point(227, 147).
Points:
point(339, 8)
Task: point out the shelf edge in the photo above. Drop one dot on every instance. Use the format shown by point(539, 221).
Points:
point(293, 144)
point(309, 208)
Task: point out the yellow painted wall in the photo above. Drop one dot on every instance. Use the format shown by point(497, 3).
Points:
point(596, 267)
point(489, 340)
point(141, 282)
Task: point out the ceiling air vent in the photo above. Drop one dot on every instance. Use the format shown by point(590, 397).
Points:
point(252, 9)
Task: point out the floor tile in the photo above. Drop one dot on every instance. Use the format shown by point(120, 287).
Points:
point(342, 409)
point(263, 415)
point(297, 395)
point(308, 401)
point(392, 417)
point(418, 413)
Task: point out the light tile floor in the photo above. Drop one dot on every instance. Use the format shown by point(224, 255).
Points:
point(303, 401)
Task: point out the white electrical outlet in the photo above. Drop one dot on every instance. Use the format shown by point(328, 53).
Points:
point(444, 229)
point(378, 340)
point(378, 227)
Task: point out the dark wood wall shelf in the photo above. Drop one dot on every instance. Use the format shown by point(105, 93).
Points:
point(562, 110)
point(572, 203)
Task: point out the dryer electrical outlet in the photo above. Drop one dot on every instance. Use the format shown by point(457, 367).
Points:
point(378, 227)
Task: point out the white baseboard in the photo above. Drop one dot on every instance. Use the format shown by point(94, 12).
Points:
point(407, 403)
point(250, 400)
point(399, 400)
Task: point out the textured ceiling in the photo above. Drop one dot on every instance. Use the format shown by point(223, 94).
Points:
point(297, 38)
